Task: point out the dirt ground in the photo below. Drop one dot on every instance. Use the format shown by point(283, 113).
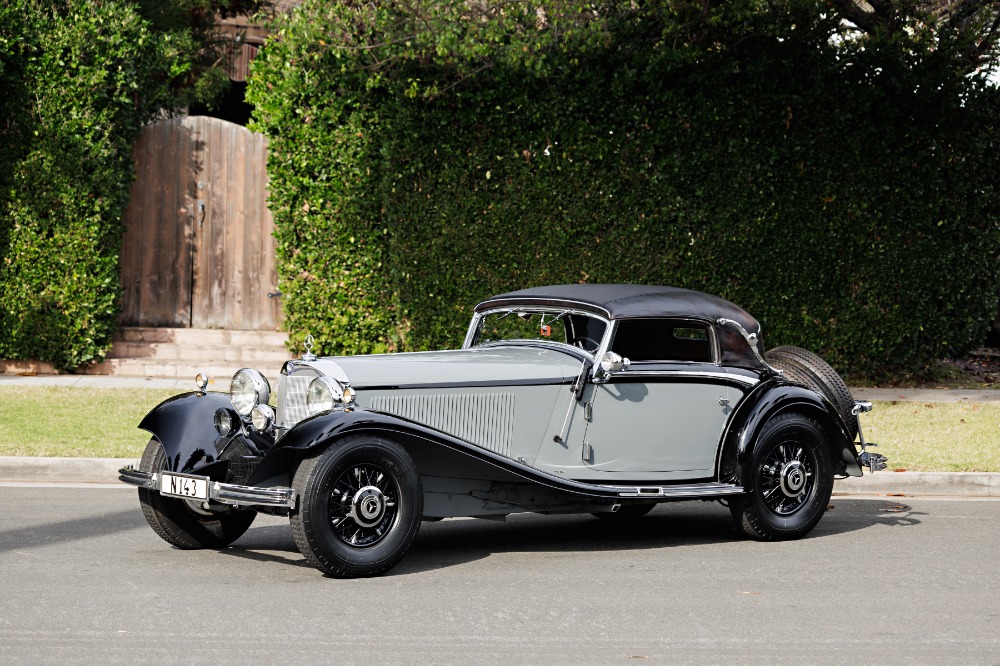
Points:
point(979, 370)
point(982, 369)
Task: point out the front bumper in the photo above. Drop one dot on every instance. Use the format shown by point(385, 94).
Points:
point(223, 493)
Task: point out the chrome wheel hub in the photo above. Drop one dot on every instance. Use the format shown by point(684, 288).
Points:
point(368, 506)
point(793, 478)
point(363, 505)
point(787, 477)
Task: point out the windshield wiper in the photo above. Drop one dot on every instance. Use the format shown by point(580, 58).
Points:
point(556, 318)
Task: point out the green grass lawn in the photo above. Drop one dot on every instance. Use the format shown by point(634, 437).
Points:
point(77, 422)
point(85, 422)
point(936, 436)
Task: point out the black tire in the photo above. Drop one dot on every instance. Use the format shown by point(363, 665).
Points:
point(184, 523)
point(804, 367)
point(625, 513)
point(360, 506)
point(791, 479)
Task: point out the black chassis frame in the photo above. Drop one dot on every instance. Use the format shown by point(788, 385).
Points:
point(462, 479)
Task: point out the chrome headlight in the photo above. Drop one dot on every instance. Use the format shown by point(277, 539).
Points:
point(325, 393)
point(262, 417)
point(249, 389)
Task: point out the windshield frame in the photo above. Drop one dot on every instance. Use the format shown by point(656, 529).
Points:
point(474, 326)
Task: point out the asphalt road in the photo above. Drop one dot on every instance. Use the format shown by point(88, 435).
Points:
point(84, 580)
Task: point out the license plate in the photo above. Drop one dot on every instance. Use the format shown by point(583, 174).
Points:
point(190, 487)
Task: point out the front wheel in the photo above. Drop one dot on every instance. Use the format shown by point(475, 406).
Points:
point(360, 504)
point(185, 523)
point(791, 479)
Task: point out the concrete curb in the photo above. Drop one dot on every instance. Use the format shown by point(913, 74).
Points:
point(922, 484)
point(926, 395)
point(69, 470)
point(909, 484)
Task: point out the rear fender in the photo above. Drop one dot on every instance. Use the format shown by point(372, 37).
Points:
point(768, 399)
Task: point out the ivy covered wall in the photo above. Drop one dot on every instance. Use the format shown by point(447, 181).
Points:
point(75, 77)
point(843, 193)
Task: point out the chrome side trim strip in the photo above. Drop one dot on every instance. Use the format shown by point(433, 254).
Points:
point(693, 373)
point(692, 490)
point(224, 493)
point(490, 383)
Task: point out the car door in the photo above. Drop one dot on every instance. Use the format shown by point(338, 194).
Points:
point(663, 417)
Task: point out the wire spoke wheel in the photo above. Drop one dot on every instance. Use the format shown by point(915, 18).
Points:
point(361, 501)
point(364, 505)
point(788, 481)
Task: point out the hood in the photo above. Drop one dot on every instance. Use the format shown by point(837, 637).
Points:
point(480, 366)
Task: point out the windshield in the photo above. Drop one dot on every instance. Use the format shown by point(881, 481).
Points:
point(572, 328)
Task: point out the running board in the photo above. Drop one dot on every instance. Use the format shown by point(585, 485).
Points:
point(687, 491)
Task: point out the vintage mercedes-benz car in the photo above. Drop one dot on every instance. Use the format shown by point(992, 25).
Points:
point(602, 399)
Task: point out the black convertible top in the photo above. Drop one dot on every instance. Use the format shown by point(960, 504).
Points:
point(629, 301)
point(623, 301)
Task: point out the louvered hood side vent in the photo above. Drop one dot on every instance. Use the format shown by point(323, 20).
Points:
point(484, 419)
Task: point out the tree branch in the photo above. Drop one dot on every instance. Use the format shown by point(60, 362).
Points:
point(866, 21)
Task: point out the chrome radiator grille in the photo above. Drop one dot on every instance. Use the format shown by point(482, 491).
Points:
point(291, 400)
point(485, 419)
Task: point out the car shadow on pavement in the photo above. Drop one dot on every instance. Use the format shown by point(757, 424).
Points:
point(270, 543)
point(454, 542)
point(447, 543)
point(72, 529)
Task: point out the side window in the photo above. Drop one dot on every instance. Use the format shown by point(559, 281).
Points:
point(662, 340)
point(585, 332)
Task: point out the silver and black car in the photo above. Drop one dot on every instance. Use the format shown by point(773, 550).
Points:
point(600, 399)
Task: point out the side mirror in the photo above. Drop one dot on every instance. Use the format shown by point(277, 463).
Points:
point(612, 362)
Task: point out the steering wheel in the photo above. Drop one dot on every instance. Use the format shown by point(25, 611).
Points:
point(583, 342)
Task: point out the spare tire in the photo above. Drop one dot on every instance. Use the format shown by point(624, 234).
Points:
point(801, 366)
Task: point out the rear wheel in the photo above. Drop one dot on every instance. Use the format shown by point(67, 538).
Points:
point(790, 481)
point(185, 523)
point(804, 367)
point(360, 505)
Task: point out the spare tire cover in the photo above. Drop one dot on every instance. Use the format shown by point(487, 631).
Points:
point(804, 367)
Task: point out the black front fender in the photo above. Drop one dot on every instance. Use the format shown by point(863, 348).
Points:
point(185, 427)
point(768, 399)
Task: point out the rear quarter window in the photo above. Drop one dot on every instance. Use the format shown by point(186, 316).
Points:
point(663, 340)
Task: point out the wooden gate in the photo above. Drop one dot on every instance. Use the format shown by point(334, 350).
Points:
point(198, 250)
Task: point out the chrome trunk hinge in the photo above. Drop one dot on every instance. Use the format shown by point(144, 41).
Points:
point(751, 339)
